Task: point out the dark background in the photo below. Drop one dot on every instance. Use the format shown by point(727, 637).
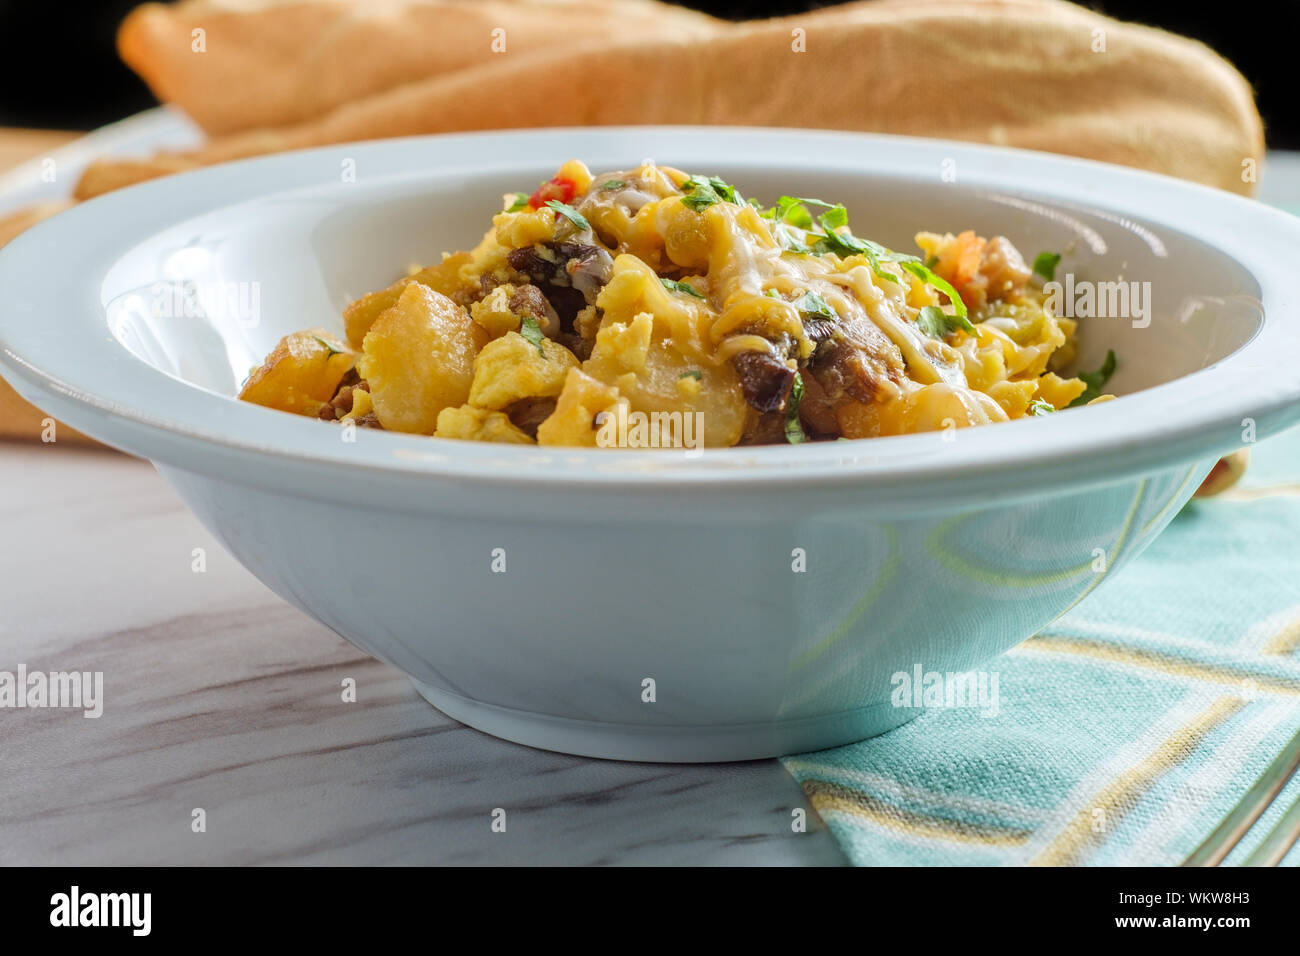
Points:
point(59, 68)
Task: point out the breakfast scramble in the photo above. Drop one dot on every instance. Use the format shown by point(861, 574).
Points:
point(654, 295)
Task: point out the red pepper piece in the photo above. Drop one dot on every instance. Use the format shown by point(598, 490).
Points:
point(561, 188)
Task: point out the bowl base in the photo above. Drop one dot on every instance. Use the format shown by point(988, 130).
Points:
point(667, 744)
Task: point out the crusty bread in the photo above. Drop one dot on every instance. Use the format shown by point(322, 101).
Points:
point(11, 224)
point(1039, 74)
point(278, 62)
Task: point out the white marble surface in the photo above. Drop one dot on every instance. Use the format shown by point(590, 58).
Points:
point(219, 696)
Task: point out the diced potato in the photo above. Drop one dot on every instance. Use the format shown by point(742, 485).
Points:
point(479, 424)
point(444, 278)
point(510, 368)
point(573, 422)
point(858, 419)
point(650, 374)
point(419, 359)
point(301, 374)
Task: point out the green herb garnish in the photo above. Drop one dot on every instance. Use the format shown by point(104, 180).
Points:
point(842, 243)
point(785, 235)
point(518, 201)
point(705, 191)
point(1045, 264)
point(794, 433)
point(1095, 381)
point(673, 285)
point(331, 349)
point(834, 218)
point(691, 373)
point(613, 184)
point(810, 303)
point(937, 324)
point(569, 213)
point(1040, 407)
point(532, 332)
point(794, 211)
point(916, 267)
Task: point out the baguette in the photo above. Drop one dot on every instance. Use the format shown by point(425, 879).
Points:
point(281, 62)
point(973, 70)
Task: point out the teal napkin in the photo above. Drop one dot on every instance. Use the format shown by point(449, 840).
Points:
point(1126, 730)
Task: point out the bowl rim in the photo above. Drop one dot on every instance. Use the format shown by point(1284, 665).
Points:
point(55, 345)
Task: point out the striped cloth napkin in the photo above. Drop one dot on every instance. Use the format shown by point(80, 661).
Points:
point(1126, 730)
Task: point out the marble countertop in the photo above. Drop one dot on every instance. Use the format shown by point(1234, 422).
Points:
point(220, 697)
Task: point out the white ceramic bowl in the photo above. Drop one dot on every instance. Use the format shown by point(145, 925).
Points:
point(624, 567)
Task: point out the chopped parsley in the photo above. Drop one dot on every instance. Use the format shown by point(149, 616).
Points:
point(705, 191)
point(793, 210)
point(612, 184)
point(1040, 407)
point(810, 303)
point(789, 211)
point(832, 218)
point(1045, 264)
point(785, 235)
point(1095, 381)
point(916, 267)
point(329, 348)
point(532, 332)
point(847, 244)
point(518, 201)
point(569, 213)
point(793, 428)
point(936, 323)
point(691, 373)
point(672, 285)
